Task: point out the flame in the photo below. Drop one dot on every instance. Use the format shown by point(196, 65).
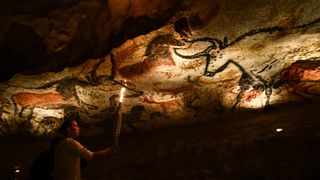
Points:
point(122, 91)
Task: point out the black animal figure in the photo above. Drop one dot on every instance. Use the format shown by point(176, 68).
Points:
point(263, 77)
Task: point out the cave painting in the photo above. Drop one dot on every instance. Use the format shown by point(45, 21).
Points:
point(176, 92)
point(39, 107)
point(253, 79)
point(301, 79)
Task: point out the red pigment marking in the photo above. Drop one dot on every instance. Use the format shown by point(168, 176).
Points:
point(32, 99)
point(301, 70)
point(251, 95)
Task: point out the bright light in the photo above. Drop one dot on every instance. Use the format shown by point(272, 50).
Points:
point(123, 89)
point(17, 171)
point(279, 129)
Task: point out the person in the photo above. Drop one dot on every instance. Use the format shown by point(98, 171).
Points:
point(42, 166)
point(69, 153)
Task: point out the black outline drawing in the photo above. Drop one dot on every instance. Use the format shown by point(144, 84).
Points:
point(248, 79)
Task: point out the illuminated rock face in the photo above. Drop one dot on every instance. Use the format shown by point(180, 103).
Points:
point(199, 65)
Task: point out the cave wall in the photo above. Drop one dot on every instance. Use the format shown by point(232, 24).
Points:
point(41, 36)
point(212, 57)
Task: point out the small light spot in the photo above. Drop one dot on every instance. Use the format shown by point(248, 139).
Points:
point(279, 129)
point(17, 170)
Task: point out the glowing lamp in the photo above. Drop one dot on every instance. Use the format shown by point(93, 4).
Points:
point(122, 91)
point(119, 119)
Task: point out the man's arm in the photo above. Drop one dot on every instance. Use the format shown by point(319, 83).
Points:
point(102, 152)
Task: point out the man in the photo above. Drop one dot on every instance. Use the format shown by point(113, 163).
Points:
point(69, 152)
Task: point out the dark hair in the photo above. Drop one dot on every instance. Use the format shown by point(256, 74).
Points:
point(65, 125)
point(55, 141)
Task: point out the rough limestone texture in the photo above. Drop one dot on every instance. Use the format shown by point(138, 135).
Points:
point(216, 57)
point(48, 35)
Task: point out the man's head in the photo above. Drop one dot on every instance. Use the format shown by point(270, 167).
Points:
point(70, 128)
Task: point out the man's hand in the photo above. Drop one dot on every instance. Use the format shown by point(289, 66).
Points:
point(115, 148)
point(103, 152)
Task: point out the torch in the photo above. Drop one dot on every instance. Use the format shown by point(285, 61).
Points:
point(118, 123)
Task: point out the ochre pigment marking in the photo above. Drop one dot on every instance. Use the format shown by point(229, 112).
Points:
point(32, 99)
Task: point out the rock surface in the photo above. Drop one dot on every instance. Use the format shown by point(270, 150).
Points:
point(213, 58)
point(41, 36)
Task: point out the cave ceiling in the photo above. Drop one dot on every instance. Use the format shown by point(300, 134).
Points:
point(176, 59)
